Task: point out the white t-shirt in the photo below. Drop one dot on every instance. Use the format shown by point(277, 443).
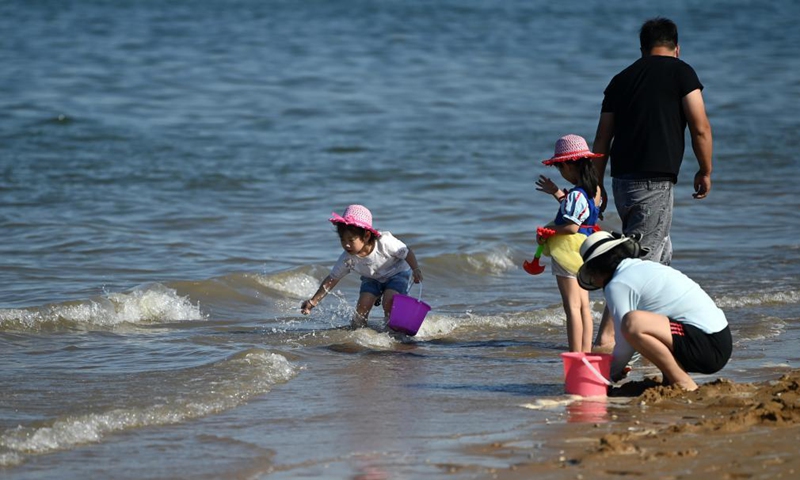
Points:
point(387, 259)
point(644, 285)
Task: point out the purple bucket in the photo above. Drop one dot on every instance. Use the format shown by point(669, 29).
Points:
point(408, 313)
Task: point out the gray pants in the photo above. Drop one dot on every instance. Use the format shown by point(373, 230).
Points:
point(645, 206)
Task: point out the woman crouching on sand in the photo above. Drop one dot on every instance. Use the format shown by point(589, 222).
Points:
point(657, 310)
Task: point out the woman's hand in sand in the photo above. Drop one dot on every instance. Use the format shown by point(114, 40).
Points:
point(544, 184)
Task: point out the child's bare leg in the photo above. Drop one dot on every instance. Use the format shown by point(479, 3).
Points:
point(571, 299)
point(650, 334)
point(604, 343)
point(388, 301)
point(365, 302)
point(587, 321)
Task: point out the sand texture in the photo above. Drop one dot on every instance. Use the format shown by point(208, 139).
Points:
point(723, 430)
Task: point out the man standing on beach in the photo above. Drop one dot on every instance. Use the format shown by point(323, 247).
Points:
point(645, 111)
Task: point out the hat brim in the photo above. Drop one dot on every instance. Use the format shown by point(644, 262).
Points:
point(603, 247)
point(571, 157)
point(336, 218)
point(597, 250)
point(585, 280)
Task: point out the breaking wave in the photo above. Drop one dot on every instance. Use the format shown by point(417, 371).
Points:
point(759, 298)
point(151, 304)
point(206, 390)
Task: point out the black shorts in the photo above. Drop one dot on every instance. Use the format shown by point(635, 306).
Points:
point(698, 351)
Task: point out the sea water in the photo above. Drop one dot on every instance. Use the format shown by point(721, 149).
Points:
point(166, 175)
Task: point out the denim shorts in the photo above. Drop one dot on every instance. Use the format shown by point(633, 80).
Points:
point(399, 282)
point(645, 207)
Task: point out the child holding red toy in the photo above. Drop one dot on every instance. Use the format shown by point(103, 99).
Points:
point(578, 213)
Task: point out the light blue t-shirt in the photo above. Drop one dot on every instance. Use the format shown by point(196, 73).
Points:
point(644, 285)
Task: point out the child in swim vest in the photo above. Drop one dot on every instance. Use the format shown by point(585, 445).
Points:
point(577, 218)
point(385, 264)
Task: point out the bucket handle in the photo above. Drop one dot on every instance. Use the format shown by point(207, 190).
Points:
point(595, 372)
point(419, 297)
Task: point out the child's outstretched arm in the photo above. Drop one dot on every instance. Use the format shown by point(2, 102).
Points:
point(544, 184)
point(324, 287)
point(411, 259)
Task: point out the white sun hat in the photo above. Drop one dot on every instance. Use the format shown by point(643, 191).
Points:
point(595, 245)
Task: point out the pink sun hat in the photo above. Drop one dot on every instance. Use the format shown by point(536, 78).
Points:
point(357, 216)
point(571, 147)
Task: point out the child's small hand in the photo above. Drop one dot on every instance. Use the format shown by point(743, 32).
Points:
point(543, 233)
point(544, 184)
point(417, 274)
point(306, 306)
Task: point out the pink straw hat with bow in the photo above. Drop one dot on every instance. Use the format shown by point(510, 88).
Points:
point(357, 216)
point(571, 147)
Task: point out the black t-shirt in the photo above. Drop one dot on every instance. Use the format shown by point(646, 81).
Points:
point(649, 122)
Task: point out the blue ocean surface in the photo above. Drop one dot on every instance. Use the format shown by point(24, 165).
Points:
point(167, 171)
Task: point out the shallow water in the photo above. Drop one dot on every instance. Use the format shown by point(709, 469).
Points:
point(166, 176)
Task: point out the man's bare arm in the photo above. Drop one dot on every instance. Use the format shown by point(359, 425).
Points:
point(702, 140)
point(602, 143)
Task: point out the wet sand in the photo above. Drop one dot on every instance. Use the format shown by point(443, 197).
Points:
point(723, 430)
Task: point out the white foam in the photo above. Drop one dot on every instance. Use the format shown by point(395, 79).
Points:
point(294, 284)
point(153, 304)
point(775, 365)
point(20, 317)
point(436, 326)
point(760, 298)
point(547, 403)
point(369, 338)
point(10, 459)
point(494, 262)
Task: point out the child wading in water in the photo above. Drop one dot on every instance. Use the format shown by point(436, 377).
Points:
point(386, 264)
point(577, 216)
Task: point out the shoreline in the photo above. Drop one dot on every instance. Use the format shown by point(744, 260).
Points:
point(723, 429)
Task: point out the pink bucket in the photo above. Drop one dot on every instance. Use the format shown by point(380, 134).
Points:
point(408, 313)
point(586, 374)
